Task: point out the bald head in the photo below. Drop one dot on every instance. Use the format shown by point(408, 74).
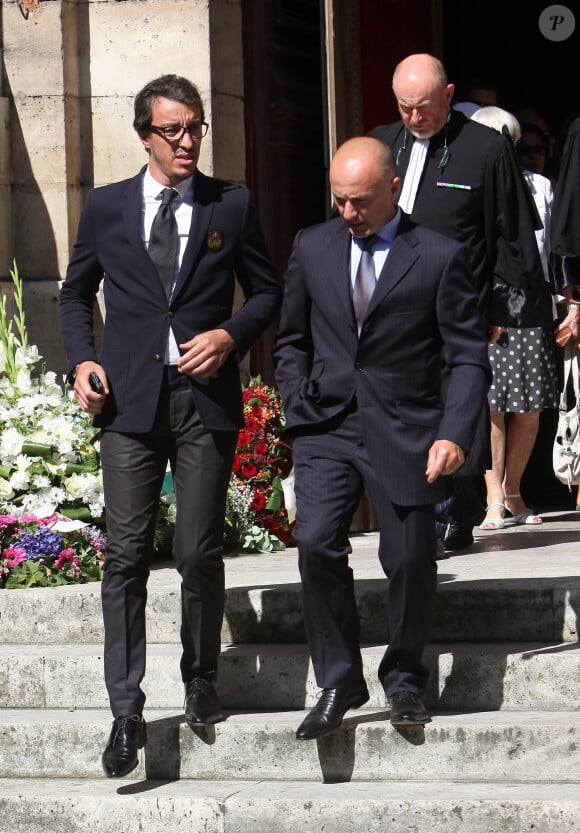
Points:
point(423, 94)
point(364, 185)
point(364, 152)
point(420, 66)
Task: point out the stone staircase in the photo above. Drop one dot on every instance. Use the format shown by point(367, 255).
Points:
point(502, 754)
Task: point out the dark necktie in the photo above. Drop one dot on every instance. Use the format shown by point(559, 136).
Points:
point(365, 281)
point(163, 240)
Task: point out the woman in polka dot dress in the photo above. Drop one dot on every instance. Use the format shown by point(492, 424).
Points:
point(524, 375)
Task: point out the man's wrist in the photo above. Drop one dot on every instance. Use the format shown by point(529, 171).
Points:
point(573, 307)
point(75, 370)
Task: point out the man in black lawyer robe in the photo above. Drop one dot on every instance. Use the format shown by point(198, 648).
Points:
point(465, 182)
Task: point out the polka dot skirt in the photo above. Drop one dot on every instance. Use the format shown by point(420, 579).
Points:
point(524, 372)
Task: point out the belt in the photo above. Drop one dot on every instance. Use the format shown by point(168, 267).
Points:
point(173, 378)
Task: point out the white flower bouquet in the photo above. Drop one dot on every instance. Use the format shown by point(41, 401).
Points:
point(49, 460)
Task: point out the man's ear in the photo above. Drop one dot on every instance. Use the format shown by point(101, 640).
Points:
point(145, 141)
point(395, 187)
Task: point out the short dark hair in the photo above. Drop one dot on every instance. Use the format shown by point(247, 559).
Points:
point(174, 87)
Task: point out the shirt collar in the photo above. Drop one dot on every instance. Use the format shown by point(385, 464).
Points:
point(152, 188)
point(389, 231)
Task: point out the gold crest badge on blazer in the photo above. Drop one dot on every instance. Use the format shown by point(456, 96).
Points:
point(215, 240)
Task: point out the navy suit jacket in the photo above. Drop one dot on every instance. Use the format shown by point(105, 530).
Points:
point(225, 243)
point(423, 313)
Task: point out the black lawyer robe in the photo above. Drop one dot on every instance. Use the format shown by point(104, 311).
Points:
point(565, 221)
point(472, 189)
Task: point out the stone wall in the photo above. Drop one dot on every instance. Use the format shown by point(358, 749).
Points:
point(70, 73)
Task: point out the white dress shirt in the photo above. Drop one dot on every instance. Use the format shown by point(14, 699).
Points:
point(413, 174)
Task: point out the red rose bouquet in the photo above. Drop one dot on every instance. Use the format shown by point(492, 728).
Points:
point(256, 517)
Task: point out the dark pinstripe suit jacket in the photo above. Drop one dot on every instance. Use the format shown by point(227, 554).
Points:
point(423, 313)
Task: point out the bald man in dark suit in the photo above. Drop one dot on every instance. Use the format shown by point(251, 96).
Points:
point(363, 403)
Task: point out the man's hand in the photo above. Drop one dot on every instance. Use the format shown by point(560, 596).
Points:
point(445, 457)
point(493, 333)
point(205, 353)
point(572, 321)
point(90, 401)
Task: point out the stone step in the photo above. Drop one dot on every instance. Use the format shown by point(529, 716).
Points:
point(496, 746)
point(249, 806)
point(294, 807)
point(480, 610)
point(469, 677)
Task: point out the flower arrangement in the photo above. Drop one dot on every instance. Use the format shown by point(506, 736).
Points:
point(256, 517)
point(51, 492)
point(49, 459)
point(45, 552)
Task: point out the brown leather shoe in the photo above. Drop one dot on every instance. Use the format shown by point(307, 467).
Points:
point(327, 714)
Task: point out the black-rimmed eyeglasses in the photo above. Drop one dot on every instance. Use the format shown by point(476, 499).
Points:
point(175, 132)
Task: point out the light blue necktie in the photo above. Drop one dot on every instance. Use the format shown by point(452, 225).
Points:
point(365, 281)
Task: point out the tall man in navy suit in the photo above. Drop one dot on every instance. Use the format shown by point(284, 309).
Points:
point(362, 396)
point(168, 244)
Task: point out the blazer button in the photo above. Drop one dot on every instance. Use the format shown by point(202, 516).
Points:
point(170, 314)
point(358, 366)
point(157, 357)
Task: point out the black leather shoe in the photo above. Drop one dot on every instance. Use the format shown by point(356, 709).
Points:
point(201, 702)
point(457, 537)
point(127, 736)
point(327, 714)
point(407, 709)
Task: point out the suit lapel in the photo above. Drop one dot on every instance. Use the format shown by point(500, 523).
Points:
point(337, 257)
point(203, 208)
point(402, 256)
point(132, 215)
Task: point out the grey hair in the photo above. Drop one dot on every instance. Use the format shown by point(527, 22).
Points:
point(497, 118)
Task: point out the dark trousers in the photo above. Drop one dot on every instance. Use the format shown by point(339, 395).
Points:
point(331, 468)
point(134, 466)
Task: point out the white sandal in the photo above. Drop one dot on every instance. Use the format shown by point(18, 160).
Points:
point(493, 523)
point(526, 517)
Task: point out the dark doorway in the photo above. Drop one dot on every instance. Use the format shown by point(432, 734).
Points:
point(285, 127)
point(504, 41)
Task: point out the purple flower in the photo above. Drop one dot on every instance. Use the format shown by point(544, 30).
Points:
point(41, 543)
point(93, 535)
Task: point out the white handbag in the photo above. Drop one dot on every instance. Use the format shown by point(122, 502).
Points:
point(566, 451)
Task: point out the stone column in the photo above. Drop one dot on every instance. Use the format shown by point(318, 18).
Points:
point(72, 69)
point(6, 250)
